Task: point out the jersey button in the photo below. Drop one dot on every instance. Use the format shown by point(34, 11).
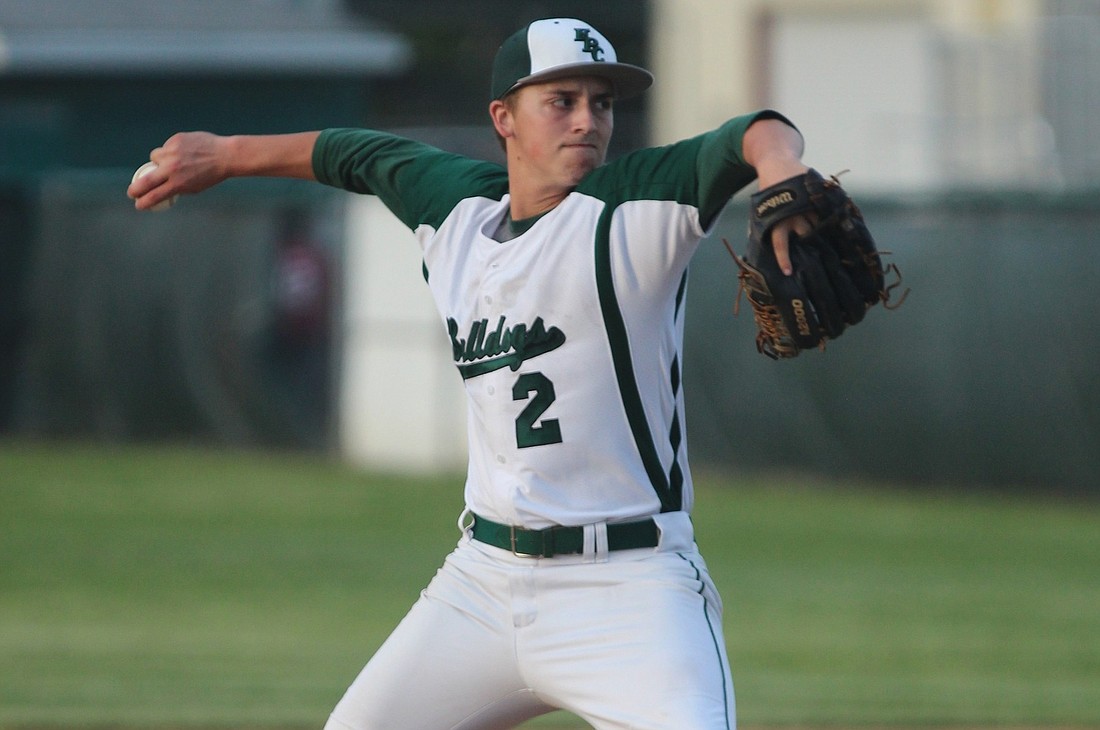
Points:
point(501, 459)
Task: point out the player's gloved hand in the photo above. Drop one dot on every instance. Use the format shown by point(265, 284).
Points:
point(837, 271)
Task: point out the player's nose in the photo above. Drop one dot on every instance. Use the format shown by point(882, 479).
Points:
point(584, 117)
point(590, 111)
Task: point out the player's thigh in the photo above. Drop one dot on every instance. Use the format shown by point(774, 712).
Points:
point(448, 664)
point(649, 649)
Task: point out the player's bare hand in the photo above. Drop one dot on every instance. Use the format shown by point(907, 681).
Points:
point(775, 150)
point(188, 162)
point(775, 168)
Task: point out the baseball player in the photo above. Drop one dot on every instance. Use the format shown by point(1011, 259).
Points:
point(576, 583)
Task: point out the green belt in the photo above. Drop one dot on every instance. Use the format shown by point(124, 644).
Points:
point(561, 540)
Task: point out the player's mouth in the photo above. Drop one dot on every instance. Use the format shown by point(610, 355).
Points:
point(587, 141)
point(586, 150)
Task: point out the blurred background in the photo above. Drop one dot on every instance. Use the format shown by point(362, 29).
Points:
point(278, 314)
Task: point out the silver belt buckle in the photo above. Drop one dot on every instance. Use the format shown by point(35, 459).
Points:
point(517, 553)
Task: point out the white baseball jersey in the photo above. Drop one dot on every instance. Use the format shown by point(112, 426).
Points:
point(569, 337)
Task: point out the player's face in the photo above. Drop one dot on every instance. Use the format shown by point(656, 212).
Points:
point(560, 129)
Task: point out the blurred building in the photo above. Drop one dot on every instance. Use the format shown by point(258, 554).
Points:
point(97, 84)
point(911, 95)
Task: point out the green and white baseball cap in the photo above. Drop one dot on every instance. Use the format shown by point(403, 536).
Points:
point(557, 48)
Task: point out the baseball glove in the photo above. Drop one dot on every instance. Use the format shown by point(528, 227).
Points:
point(838, 273)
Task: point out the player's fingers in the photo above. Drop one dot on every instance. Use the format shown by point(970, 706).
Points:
point(781, 245)
point(142, 184)
point(804, 225)
point(781, 236)
point(149, 176)
point(150, 200)
point(149, 187)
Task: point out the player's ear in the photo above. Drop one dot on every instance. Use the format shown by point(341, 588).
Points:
point(502, 116)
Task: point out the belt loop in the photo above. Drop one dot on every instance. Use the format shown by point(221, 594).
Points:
point(595, 543)
point(547, 539)
point(466, 528)
point(603, 553)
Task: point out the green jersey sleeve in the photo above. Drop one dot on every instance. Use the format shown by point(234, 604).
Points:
point(721, 166)
point(419, 183)
point(704, 171)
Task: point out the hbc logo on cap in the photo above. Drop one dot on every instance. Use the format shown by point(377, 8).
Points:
point(545, 50)
point(589, 45)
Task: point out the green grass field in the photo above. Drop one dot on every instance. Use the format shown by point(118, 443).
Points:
point(174, 587)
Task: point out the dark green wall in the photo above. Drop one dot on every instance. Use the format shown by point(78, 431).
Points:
point(54, 127)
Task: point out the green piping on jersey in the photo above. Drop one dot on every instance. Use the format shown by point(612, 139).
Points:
point(624, 370)
point(675, 438)
point(675, 435)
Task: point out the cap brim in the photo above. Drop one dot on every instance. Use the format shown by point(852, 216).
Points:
point(626, 79)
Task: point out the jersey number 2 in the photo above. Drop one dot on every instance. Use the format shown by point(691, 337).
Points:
point(529, 430)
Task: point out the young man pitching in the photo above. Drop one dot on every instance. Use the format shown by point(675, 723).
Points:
point(560, 279)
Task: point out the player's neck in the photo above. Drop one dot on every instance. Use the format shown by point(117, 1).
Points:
point(526, 204)
point(532, 192)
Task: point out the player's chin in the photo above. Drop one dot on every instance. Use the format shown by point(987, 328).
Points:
point(583, 159)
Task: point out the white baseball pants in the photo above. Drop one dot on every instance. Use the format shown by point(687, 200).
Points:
point(624, 640)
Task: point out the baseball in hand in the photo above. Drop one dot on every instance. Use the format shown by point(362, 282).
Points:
point(145, 170)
